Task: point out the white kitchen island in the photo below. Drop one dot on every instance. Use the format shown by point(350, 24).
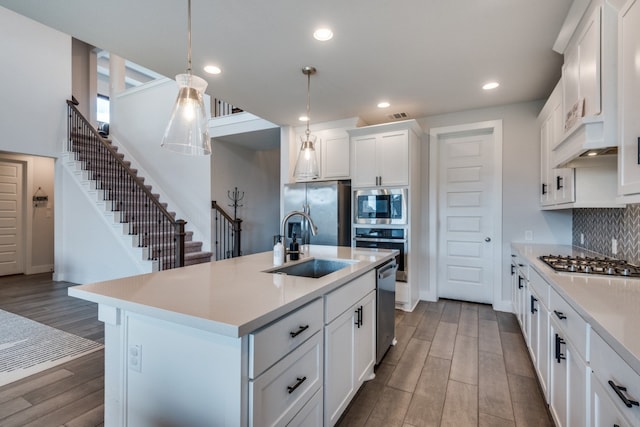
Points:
point(228, 344)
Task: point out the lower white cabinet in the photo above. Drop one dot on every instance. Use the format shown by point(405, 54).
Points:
point(604, 412)
point(569, 379)
point(349, 344)
point(538, 343)
point(616, 388)
point(312, 413)
point(278, 394)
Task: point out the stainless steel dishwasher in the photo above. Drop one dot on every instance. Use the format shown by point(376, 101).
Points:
point(385, 307)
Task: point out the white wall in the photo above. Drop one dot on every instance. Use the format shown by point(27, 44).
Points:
point(33, 119)
point(33, 109)
point(520, 178)
point(89, 248)
point(257, 174)
point(139, 117)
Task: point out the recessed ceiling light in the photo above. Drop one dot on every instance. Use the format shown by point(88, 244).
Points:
point(384, 104)
point(323, 34)
point(212, 69)
point(303, 118)
point(490, 85)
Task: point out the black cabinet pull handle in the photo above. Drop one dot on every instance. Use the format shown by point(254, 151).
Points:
point(300, 330)
point(619, 389)
point(520, 282)
point(358, 313)
point(513, 269)
point(559, 182)
point(533, 304)
point(291, 388)
point(521, 265)
point(544, 189)
point(560, 314)
point(559, 354)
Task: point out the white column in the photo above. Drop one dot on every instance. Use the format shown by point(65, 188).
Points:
point(117, 74)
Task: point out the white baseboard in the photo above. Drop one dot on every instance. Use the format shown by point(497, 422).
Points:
point(37, 269)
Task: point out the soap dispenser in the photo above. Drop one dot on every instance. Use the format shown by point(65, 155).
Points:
point(278, 252)
point(294, 249)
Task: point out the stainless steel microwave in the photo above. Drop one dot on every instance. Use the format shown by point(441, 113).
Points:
point(380, 206)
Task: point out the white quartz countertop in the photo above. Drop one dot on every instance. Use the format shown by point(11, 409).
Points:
point(610, 305)
point(231, 297)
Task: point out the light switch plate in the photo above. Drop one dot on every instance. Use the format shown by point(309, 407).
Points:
point(135, 358)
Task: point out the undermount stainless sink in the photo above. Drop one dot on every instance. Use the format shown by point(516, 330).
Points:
point(314, 268)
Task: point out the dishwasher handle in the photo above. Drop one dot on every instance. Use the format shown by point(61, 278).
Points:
point(387, 270)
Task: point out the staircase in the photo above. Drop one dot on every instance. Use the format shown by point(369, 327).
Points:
point(153, 228)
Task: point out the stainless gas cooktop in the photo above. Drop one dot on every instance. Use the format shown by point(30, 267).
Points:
point(591, 265)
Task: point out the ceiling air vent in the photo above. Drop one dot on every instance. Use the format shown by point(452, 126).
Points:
point(397, 116)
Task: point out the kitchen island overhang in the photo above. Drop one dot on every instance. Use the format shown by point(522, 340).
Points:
point(188, 329)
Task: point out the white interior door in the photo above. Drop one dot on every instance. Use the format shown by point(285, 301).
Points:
point(11, 256)
point(468, 192)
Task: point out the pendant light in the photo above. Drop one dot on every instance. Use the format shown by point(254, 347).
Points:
point(307, 163)
point(188, 130)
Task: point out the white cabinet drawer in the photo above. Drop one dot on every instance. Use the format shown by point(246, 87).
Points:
point(274, 341)
point(604, 413)
point(346, 296)
point(541, 287)
point(312, 413)
point(608, 366)
point(571, 323)
point(277, 395)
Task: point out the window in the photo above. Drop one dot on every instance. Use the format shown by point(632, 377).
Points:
point(102, 107)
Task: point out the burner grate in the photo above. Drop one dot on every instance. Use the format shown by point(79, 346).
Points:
point(591, 265)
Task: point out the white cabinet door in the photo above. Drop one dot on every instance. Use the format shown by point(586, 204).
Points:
point(365, 339)
point(563, 185)
point(365, 172)
point(392, 156)
point(581, 70)
point(569, 403)
point(629, 102)
point(533, 313)
point(543, 353)
point(335, 156)
point(340, 381)
point(558, 381)
point(546, 194)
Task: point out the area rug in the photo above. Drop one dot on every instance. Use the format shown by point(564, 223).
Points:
point(28, 347)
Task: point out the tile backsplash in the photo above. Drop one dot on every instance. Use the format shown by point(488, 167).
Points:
point(600, 226)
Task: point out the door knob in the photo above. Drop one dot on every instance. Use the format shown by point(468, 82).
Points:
point(487, 239)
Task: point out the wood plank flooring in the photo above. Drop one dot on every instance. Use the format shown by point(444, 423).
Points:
point(71, 394)
point(455, 364)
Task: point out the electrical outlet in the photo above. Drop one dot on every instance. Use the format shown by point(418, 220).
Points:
point(614, 246)
point(528, 235)
point(135, 358)
point(582, 238)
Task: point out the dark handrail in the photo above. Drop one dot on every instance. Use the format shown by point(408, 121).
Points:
point(142, 220)
point(222, 233)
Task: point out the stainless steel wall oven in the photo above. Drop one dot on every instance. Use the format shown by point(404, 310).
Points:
point(385, 238)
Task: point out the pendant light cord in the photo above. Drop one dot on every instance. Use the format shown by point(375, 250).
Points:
point(189, 37)
point(307, 132)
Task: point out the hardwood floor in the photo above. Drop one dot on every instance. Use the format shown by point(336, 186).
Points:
point(71, 394)
point(455, 364)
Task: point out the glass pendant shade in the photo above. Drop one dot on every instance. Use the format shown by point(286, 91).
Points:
point(188, 128)
point(307, 163)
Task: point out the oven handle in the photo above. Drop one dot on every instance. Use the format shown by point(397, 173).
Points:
point(369, 239)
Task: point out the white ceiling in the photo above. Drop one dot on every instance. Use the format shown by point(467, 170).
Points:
point(424, 56)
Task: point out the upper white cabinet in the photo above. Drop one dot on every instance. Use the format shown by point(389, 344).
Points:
point(629, 100)
point(381, 154)
point(589, 90)
point(556, 184)
point(332, 151)
point(381, 160)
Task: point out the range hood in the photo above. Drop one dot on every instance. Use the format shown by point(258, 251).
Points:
point(589, 137)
